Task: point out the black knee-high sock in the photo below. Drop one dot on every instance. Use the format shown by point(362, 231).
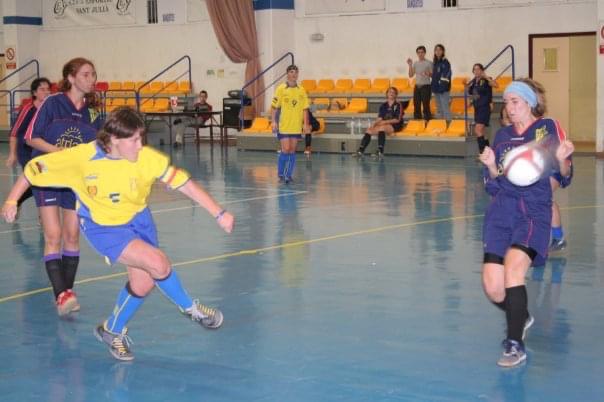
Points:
point(70, 261)
point(381, 141)
point(482, 143)
point(500, 305)
point(364, 142)
point(516, 313)
point(54, 270)
point(307, 140)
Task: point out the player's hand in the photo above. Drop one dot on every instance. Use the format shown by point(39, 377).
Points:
point(409, 61)
point(9, 212)
point(487, 157)
point(565, 149)
point(226, 222)
point(10, 161)
point(274, 127)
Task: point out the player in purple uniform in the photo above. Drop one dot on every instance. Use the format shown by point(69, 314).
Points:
point(480, 88)
point(389, 121)
point(517, 223)
point(19, 151)
point(64, 120)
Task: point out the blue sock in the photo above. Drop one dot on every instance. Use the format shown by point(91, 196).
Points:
point(281, 164)
point(557, 232)
point(126, 305)
point(173, 290)
point(290, 164)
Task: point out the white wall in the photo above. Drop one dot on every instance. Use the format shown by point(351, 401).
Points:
point(378, 44)
point(140, 51)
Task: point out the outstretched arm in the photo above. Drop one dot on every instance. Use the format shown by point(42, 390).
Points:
point(9, 209)
point(195, 192)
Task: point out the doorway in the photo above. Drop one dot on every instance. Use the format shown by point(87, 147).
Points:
point(565, 63)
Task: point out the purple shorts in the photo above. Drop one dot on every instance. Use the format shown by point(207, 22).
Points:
point(47, 196)
point(510, 220)
point(286, 136)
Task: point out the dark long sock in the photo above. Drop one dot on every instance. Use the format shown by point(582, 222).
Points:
point(55, 273)
point(516, 311)
point(307, 140)
point(364, 142)
point(71, 260)
point(381, 141)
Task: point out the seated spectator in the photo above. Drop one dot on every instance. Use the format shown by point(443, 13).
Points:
point(200, 105)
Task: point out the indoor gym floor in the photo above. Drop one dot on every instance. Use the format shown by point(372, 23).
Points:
point(358, 282)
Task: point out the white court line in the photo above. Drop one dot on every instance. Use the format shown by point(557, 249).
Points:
point(159, 211)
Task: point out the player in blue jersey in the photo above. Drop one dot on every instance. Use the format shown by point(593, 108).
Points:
point(517, 222)
point(19, 151)
point(65, 119)
point(480, 89)
point(388, 122)
point(112, 178)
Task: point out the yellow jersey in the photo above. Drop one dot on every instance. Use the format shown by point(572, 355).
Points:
point(109, 191)
point(292, 101)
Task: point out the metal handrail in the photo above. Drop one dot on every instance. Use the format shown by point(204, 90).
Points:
point(138, 90)
point(260, 74)
point(11, 91)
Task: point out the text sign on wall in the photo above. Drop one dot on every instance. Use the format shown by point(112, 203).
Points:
point(67, 13)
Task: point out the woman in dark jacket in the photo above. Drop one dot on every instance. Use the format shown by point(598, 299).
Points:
point(441, 82)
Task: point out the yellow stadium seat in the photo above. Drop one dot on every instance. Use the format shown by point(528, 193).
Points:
point(458, 84)
point(338, 105)
point(309, 85)
point(434, 128)
point(172, 88)
point(357, 105)
point(259, 125)
point(118, 102)
point(324, 85)
point(184, 87)
point(115, 85)
point(161, 105)
point(361, 85)
point(413, 127)
point(502, 83)
point(457, 128)
point(379, 86)
point(457, 106)
point(343, 85)
point(128, 86)
point(147, 105)
point(131, 102)
point(157, 86)
point(321, 101)
point(410, 108)
point(401, 83)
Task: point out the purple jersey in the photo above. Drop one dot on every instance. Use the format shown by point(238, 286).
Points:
point(546, 132)
point(59, 123)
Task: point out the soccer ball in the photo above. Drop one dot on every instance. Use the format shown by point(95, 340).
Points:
point(524, 165)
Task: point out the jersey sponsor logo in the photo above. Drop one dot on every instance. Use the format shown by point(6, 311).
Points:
point(294, 102)
point(93, 114)
point(70, 137)
point(91, 177)
point(115, 197)
point(50, 199)
point(92, 190)
point(541, 133)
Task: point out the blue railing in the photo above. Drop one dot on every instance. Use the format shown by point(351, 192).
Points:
point(512, 65)
point(165, 70)
point(10, 93)
point(266, 87)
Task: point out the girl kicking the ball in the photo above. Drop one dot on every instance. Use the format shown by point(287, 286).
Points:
point(517, 222)
point(112, 178)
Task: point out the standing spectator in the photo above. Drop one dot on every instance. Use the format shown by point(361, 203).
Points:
point(422, 70)
point(480, 88)
point(441, 82)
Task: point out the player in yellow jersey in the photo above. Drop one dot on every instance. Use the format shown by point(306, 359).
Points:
point(112, 178)
point(289, 120)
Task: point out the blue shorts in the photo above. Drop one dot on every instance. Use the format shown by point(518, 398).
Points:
point(482, 115)
point(286, 136)
point(510, 220)
point(110, 241)
point(47, 196)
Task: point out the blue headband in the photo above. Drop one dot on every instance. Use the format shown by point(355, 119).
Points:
point(522, 90)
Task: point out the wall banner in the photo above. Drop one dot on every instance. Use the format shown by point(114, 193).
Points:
point(69, 13)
